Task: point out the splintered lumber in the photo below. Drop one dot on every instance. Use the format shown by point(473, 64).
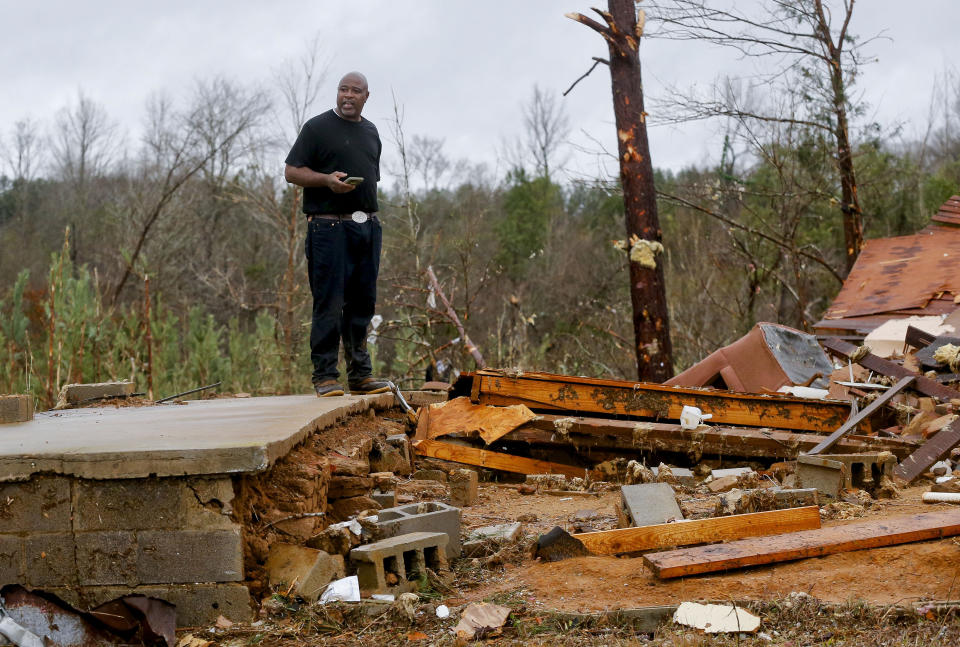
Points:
point(545, 391)
point(864, 413)
point(806, 543)
point(885, 367)
point(462, 416)
point(493, 460)
point(700, 531)
point(747, 442)
point(929, 453)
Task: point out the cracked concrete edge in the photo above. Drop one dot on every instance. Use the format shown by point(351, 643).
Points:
point(228, 460)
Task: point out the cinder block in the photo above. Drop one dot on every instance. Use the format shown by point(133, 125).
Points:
point(41, 504)
point(77, 393)
point(428, 516)
point(16, 408)
point(404, 557)
point(307, 570)
point(650, 503)
point(463, 487)
point(731, 471)
point(385, 499)
point(207, 503)
point(795, 498)
point(130, 504)
point(197, 604)
point(108, 557)
point(826, 475)
point(864, 470)
point(11, 560)
point(169, 556)
point(50, 559)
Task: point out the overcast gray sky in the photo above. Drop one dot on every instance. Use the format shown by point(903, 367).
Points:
point(460, 69)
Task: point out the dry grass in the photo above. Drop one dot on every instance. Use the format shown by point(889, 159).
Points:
point(796, 621)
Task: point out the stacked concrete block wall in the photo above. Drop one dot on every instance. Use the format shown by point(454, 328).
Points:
point(98, 538)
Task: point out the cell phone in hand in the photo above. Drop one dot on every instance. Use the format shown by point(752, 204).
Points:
point(353, 181)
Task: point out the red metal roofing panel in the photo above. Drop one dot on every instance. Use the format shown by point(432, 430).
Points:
point(899, 274)
point(949, 213)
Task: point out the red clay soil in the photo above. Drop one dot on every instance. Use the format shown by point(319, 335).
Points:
point(895, 574)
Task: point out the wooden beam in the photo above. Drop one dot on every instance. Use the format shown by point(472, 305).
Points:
point(748, 442)
point(548, 392)
point(701, 531)
point(864, 413)
point(929, 453)
point(493, 460)
point(806, 543)
point(885, 367)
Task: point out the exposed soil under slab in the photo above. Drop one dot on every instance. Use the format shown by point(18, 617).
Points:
point(273, 506)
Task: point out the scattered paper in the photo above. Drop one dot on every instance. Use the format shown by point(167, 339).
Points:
point(443, 611)
point(716, 618)
point(346, 590)
point(481, 619)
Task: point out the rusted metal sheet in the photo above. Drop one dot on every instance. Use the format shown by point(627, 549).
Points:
point(929, 453)
point(900, 273)
point(949, 213)
point(549, 392)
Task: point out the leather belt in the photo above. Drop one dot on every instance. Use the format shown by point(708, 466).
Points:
point(358, 217)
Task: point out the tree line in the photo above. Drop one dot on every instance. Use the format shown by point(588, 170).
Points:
point(177, 260)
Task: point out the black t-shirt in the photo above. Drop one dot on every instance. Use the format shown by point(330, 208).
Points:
point(329, 143)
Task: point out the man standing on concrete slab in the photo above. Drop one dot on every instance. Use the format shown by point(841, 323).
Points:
point(336, 159)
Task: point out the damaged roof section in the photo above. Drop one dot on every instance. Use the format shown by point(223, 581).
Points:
point(770, 356)
point(900, 277)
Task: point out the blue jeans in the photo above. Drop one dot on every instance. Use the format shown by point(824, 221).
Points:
point(343, 260)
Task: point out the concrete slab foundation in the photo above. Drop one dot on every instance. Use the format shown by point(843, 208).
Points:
point(99, 503)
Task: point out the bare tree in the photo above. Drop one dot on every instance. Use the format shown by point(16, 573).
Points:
point(547, 129)
point(817, 60)
point(22, 157)
point(622, 32)
point(427, 159)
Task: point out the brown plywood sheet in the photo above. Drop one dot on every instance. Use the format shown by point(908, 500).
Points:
point(899, 274)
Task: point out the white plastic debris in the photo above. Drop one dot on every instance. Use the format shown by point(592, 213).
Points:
point(383, 597)
point(346, 590)
point(692, 417)
point(716, 618)
point(443, 611)
point(941, 497)
point(804, 392)
point(943, 479)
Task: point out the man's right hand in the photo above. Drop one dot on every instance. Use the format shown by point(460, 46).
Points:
point(335, 185)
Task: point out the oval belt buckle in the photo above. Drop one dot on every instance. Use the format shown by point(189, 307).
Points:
point(359, 217)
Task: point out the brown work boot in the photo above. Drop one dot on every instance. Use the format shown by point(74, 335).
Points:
point(328, 388)
point(369, 386)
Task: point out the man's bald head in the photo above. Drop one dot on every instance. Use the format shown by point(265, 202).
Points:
point(352, 93)
point(355, 77)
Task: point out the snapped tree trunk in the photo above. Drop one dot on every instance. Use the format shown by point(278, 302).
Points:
point(651, 325)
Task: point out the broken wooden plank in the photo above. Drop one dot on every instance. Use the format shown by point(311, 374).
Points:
point(864, 413)
point(493, 460)
point(928, 453)
point(806, 543)
point(885, 367)
point(749, 442)
point(546, 391)
point(462, 416)
point(700, 531)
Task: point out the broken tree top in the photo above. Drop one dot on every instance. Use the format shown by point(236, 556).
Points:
point(201, 437)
